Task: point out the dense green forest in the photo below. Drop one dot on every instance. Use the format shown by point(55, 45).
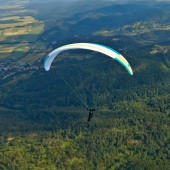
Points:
point(43, 121)
point(136, 141)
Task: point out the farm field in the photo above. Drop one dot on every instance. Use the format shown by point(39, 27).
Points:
point(19, 30)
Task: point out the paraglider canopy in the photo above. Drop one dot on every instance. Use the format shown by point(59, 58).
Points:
point(88, 46)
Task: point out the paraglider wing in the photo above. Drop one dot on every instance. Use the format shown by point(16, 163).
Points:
point(88, 46)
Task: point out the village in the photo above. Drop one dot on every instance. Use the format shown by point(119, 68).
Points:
point(12, 70)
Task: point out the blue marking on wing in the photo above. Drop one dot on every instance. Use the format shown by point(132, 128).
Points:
point(46, 58)
point(117, 59)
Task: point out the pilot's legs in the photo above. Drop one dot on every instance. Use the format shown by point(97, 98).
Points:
point(90, 116)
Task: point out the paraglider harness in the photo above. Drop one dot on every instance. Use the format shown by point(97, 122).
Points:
point(91, 110)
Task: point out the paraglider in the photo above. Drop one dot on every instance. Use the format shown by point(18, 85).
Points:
point(88, 46)
point(91, 111)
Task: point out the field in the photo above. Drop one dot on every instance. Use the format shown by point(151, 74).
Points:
point(135, 29)
point(15, 26)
